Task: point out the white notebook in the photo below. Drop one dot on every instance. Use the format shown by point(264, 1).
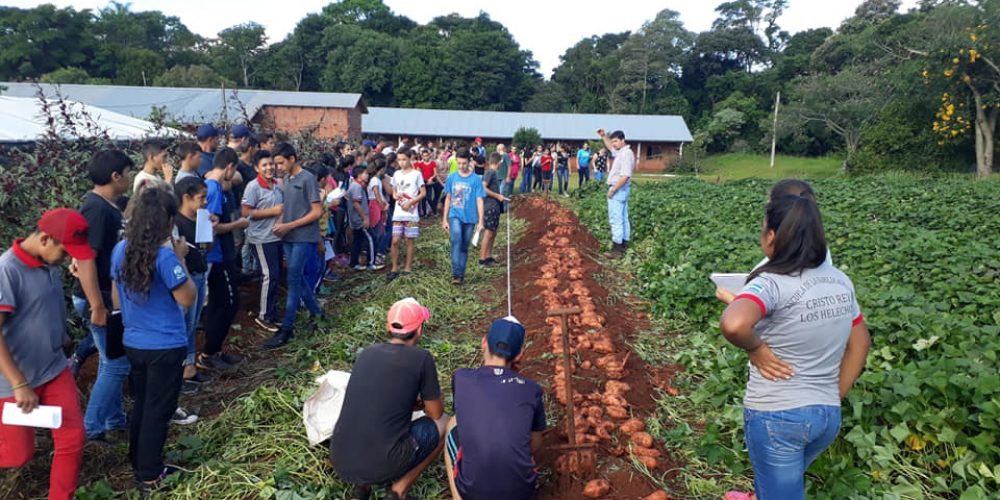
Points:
point(48, 417)
point(730, 282)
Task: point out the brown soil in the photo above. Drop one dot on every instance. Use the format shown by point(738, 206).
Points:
point(555, 264)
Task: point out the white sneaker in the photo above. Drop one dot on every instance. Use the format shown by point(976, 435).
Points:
point(182, 417)
point(359, 267)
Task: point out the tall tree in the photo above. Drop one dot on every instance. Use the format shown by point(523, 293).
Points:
point(651, 61)
point(43, 39)
point(237, 49)
point(586, 76)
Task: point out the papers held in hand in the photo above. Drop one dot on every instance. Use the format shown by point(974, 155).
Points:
point(730, 282)
point(203, 227)
point(48, 417)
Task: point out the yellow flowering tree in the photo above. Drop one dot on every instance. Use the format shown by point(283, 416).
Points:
point(967, 61)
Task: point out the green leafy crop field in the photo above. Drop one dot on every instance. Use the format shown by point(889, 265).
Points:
point(924, 254)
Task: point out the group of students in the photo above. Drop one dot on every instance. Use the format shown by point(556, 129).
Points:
point(142, 277)
point(392, 425)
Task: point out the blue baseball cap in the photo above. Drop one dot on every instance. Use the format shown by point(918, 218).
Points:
point(206, 131)
point(240, 131)
point(506, 337)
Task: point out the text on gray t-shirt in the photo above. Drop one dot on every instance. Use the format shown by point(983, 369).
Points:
point(807, 321)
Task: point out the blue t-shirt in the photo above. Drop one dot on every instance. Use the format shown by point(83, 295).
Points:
point(154, 321)
point(583, 158)
point(207, 163)
point(464, 192)
point(215, 202)
point(497, 410)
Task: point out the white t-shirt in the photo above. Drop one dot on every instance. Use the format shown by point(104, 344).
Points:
point(142, 179)
point(407, 184)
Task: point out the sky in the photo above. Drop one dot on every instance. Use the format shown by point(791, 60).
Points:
point(545, 27)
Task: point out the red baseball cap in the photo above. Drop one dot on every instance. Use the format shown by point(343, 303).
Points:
point(479, 140)
point(69, 228)
point(406, 315)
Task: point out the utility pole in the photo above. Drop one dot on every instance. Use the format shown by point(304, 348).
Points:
point(774, 129)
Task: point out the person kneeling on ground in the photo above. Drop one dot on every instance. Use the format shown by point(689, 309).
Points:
point(376, 440)
point(501, 418)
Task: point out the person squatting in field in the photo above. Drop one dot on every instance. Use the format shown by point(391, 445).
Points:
point(799, 320)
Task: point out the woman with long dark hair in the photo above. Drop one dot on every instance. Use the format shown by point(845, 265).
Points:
point(152, 288)
point(806, 339)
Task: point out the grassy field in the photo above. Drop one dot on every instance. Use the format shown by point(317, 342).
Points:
point(741, 166)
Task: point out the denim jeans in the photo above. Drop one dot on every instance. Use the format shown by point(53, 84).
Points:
point(598, 176)
point(299, 290)
point(621, 230)
point(104, 407)
point(192, 315)
point(461, 236)
point(526, 180)
point(562, 178)
point(584, 174)
point(782, 445)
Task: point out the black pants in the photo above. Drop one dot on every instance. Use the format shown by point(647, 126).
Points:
point(223, 303)
point(536, 176)
point(340, 236)
point(584, 177)
point(363, 241)
point(430, 203)
point(156, 383)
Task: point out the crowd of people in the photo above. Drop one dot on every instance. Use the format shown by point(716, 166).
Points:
point(147, 277)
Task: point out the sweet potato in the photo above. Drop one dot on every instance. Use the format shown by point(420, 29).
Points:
point(586, 365)
point(616, 387)
point(594, 411)
point(639, 451)
point(642, 439)
point(596, 488)
point(614, 400)
point(649, 462)
point(658, 495)
point(616, 412)
point(632, 426)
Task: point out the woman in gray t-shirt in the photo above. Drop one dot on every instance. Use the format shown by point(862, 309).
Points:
point(800, 323)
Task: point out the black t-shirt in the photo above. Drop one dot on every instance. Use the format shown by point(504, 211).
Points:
point(195, 259)
point(248, 173)
point(371, 443)
point(104, 221)
point(563, 160)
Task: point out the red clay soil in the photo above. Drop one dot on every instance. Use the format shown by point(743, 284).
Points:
point(554, 267)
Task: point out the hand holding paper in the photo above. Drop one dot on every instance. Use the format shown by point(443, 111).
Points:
point(48, 417)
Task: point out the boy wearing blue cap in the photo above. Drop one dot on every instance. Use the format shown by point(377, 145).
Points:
point(501, 418)
point(208, 141)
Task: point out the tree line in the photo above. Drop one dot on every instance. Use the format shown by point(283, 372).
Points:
point(886, 89)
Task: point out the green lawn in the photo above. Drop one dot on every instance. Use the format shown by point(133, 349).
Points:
point(741, 166)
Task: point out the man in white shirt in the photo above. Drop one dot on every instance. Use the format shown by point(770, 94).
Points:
point(619, 188)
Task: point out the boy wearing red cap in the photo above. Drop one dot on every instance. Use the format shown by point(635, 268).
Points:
point(376, 439)
point(501, 417)
point(35, 370)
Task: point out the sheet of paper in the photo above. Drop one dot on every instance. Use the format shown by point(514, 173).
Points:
point(731, 282)
point(48, 417)
point(202, 227)
point(475, 238)
point(328, 251)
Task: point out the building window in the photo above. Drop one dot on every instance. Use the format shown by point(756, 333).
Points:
point(654, 151)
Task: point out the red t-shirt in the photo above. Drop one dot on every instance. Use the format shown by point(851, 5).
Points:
point(426, 169)
point(546, 163)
